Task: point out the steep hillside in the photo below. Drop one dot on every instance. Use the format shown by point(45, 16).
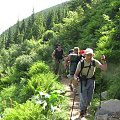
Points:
point(26, 67)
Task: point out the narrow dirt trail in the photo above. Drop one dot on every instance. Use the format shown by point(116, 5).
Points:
point(75, 112)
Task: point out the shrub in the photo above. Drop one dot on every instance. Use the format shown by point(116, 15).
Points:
point(114, 84)
point(23, 62)
point(49, 34)
point(44, 82)
point(31, 111)
point(5, 96)
point(27, 111)
point(38, 67)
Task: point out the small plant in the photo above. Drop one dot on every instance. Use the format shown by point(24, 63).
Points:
point(49, 101)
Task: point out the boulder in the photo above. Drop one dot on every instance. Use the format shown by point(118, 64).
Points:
point(109, 110)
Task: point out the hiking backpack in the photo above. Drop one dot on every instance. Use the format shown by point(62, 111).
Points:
point(82, 66)
point(74, 59)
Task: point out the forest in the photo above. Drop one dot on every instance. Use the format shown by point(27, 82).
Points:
point(29, 89)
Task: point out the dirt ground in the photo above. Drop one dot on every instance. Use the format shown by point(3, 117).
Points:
point(74, 114)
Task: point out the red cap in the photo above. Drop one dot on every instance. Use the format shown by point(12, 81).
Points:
point(82, 52)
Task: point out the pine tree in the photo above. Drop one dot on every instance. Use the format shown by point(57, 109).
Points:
point(17, 32)
point(28, 32)
point(38, 27)
point(29, 29)
point(9, 38)
point(49, 20)
point(22, 28)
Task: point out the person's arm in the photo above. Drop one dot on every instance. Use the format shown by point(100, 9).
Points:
point(103, 64)
point(77, 72)
point(67, 60)
point(63, 55)
point(53, 54)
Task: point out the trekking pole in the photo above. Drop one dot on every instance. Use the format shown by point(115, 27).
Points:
point(72, 107)
point(100, 90)
point(73, 102)
point(101, 81)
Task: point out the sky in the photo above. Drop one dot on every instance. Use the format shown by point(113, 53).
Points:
point(12, 10)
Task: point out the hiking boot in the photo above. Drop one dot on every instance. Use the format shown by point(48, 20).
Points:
point(82, 113)
point(86, 110)
point(71, 88)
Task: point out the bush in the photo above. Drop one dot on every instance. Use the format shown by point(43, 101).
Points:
point(49, 34)
point(5, 96)
point(27, 111)
point(114, 83)
point(23, 62)
point(44, 82)
point(38, 67)
point(32, 111)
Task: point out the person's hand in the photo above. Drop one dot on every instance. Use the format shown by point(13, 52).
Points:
point(103, 58)
point(76, 79)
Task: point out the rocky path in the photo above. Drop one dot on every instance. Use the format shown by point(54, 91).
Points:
point(75, 111)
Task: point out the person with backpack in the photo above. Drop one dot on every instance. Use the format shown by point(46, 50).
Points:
point(58, 56)
point(85, 74)
point(73, 58)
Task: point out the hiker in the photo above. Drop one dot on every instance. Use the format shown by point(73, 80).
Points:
point(58, 56)
point(86, 72)
point(67, 63)
point(73, 59)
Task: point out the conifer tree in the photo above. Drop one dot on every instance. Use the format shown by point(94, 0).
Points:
point(2, 40)
point(9, 39)
point(38, 27)
point(74, 4)
point(17, 32)
point(49, 20)
point(29, 28)
point(28, 32)
point(22, 28)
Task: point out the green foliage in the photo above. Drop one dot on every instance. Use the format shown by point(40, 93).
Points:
point(25, 111)
point(92, 24)
point(44, 52)
point(57, 28)
point(31, 111)
point(50, 101)
point(49, 34)
point(114, 84)
point(38, 78)
point(44, 82)
point(5, 96)
point(38, 67)
point(70, 33)
point(23, 62)
point(4, 58)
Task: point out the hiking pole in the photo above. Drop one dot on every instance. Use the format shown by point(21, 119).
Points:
point(73, 102)
point(72, 106)
point(100, 91)
point(101, 81)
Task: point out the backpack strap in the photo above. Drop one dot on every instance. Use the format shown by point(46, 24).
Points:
point(82, 66)
point(93, 63)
